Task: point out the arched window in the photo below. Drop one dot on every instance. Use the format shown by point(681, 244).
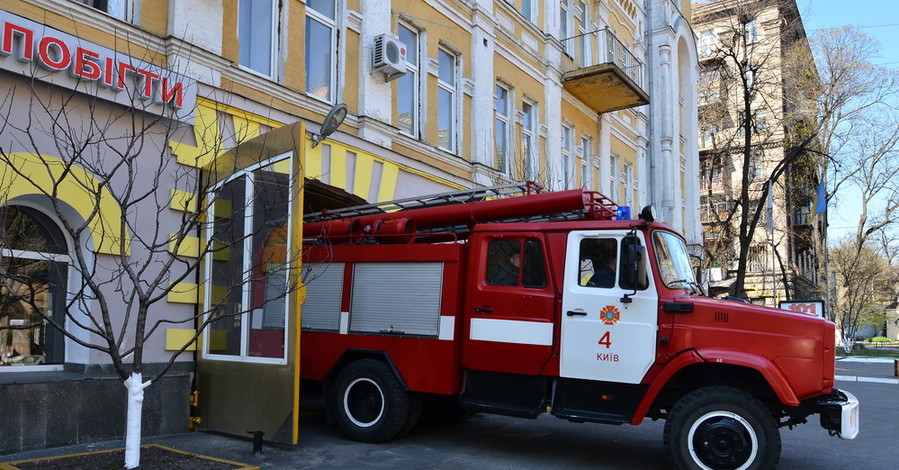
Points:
point(34, 263)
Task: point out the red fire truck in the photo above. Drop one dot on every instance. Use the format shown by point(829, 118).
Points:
point(551, 302)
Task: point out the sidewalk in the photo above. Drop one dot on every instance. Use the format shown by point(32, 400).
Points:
point(866, 369)
point(322, 447)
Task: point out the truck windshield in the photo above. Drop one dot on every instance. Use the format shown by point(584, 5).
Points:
point(673, 261)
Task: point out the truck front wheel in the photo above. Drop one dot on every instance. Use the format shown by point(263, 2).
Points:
point(721, 428)
point(371, 404)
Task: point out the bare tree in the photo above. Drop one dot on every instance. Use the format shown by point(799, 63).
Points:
point(865, 287)
point(857, 141)
point(751, 147)
point(116, 160)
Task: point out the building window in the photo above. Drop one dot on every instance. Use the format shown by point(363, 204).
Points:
point(586, 163)
point(709, 137)
point(582, 18)
point(749, 76)
point(446, 100)
point(565, 26)
point(709, 86)
point(34, 265)
point(751, 30)
point(407, 86)
point(761, 121)
point(321, 48)
point(755, 165)
point(248, 274)
point(614, 169)
point(501, 128)
point(528, 10)
point(121, 9)
point(255, 32)
point(629, 184)
point(528, 145)
point(566, 157)
point(707, 44)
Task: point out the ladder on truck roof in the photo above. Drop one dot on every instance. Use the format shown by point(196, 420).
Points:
point(456, 213)
point(452, 197)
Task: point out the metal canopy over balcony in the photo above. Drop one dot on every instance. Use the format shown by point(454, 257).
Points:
point(611, 79)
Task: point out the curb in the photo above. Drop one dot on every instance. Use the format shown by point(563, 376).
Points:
point(853, 378)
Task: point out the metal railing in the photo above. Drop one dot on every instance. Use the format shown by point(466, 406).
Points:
point(608, 49)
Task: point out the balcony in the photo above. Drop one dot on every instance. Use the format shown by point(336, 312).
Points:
point(609, 80)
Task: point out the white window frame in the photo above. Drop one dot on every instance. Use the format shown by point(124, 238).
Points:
point(247, 246)
point(750, 71)
point(452, 89)
point(413, 71)
point(582, 23)
point(125, 10)
point(614, 170)
point(529, 10)
point(529, 138)
point(273, 39)
point(566, 26)
point(587, 162)
point(504, 116)
point(77, 309)
point(751, 31)
point(567, 132)
point(315, 15)
point(629, 184)
point(707, 43)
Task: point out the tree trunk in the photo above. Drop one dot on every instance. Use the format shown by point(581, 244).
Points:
point(135, 386)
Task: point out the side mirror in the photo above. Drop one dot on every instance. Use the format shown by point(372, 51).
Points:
point(633, 266)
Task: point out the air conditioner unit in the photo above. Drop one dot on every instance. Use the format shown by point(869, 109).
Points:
point(388, 56)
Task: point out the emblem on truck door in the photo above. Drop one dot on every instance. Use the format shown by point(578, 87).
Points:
point(609, 315)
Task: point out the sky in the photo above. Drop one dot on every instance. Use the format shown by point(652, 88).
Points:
point(878, 18)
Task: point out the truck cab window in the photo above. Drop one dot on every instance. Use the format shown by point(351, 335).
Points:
point(599, 261)
point(516, 262)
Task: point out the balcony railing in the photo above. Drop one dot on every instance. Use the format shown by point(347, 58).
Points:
point(608, 79)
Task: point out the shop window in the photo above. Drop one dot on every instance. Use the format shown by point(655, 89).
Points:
point(248, 271)
point(34, 264)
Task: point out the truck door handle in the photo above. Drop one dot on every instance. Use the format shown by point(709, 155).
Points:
point(577, 313)
point(483, 310)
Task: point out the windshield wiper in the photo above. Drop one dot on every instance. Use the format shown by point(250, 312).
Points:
point(693, 285)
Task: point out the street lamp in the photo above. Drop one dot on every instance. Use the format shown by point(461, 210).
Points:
point(332, 121)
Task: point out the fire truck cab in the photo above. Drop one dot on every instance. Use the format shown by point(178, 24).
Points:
point(553, 303)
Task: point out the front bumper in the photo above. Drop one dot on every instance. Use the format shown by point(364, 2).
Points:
point(839, 413)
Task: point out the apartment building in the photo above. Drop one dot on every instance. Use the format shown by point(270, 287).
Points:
point(440, 94)
point(751, 120)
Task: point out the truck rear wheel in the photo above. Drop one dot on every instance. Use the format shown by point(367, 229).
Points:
point(370, 402)
point(721, 428)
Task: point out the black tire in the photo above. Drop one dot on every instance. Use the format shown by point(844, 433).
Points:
point(415, 407)
point(369, 401)
point(721, 428)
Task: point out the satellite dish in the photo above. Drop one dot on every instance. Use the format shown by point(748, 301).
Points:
point(332, 121)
